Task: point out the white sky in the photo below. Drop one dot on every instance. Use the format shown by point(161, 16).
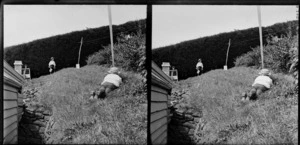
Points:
point(25, 23)
point(174, 24)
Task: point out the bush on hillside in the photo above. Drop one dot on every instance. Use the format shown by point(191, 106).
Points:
point(277, 55)
point(96, 58)
point(294, 62)
point(129, 53)
point(249, 59)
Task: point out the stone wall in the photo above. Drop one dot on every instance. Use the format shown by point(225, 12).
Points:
point(186, 123)
point(35, 120)
point(183, 126)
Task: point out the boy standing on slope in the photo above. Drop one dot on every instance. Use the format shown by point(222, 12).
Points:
point(111, 82)
point(52, 65)
point(199, 67)
point(261, 84)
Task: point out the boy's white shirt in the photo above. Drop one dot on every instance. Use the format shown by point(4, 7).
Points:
point(112, 78)
point(199, 64)
point(52, 62)
point(263, 80)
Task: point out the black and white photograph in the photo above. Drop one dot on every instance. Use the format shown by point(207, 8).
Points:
point(224, 74)
point(74, 74)
point(157, 72)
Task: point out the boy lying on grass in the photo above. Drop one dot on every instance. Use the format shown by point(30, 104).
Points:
point(261, 84)
point(111, 82)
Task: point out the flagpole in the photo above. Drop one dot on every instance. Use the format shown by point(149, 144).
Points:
point(260, 37)
point(81, 41)
point(227, 51)
point(111, 36)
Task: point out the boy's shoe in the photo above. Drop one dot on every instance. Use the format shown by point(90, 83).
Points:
point(247, 98)
point(243, 99)
point(93, 95)
point(244, 95)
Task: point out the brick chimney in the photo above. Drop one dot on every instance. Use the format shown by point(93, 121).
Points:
point(18, 66)
point(166, 68)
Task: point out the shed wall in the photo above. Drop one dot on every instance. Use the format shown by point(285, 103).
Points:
point(12, 86)
point(10, 115)
point(159, 115)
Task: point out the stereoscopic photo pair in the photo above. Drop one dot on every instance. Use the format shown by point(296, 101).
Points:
point(150, 74)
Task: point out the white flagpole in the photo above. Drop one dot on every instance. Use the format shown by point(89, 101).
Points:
point(260, 37)
point(81, 41)
point(78, 64)
point(111, 36)
point(227, 51)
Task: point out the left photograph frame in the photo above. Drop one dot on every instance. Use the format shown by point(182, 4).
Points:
point(74, 72)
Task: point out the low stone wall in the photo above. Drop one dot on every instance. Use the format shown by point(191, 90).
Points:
point(183, 126)
point(34, 120)
point(33, 124)
point(185, 120)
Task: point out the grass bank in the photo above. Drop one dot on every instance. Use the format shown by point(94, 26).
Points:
point(119, 119)
point(272, 119)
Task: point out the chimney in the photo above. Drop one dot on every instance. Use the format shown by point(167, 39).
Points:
point(166, 68)
point(18, 66)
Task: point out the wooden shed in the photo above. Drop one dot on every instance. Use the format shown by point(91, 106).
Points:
point(12, 87)
point(161, 86)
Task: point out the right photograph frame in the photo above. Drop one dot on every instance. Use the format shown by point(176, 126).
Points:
point(223, 74)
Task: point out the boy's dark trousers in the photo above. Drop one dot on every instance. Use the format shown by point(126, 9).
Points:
point(199, 69)
point(105, 89)
point(52, 68)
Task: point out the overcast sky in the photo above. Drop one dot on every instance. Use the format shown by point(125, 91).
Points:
point(25, 23)
point(174, 24)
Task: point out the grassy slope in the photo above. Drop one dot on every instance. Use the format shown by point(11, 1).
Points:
point(272, 119)
point(121, 118)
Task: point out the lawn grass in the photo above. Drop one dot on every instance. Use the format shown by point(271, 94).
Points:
point(119, 119)
point(272, 119)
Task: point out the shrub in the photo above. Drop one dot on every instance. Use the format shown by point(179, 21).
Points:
point(294, 62)
point(248, 59)
point(96, 58)
point(129, 53)
point(277, 55)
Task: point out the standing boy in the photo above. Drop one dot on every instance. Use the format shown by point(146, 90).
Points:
point(199, 67)
point(52, 65)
